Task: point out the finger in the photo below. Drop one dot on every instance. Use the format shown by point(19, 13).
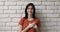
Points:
point(33, 22)
point(29, 22)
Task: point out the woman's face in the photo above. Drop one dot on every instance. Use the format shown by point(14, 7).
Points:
point(30, 10)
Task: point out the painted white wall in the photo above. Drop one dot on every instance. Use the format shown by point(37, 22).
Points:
point(47, 10)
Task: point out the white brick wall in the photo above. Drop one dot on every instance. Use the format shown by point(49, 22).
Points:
point(11, 12)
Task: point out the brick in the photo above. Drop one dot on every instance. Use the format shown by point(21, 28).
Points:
point(2, 0)
point(20, 11)
point(15, 24)
point(3, 15)
point(38, 11)
point(26, 0)
point(2, 24)
point(52, 15)
point(58, 27)
point(57, 11)
point(57, 3)
point(12, 0)
point(23, 7)
point(49, 19)
point(1, 11)
point(48, 31)
point(58, 7)
point(51, 0)
point(15, 28)
point(45, 19)
point(41, 15)
point(5, 28)
point(2, 31)
point(22, 15)
point(58, 19)
point(15, 19)
point(22, 3)
point(52, 7)
point(9, 11)
point(48, 3)
point(58, 23)
point(32, 0)
point(1, 3)
point(53, 19)
point(5, 20)
point(10, 3)
point(58, 31)
point(23, 11)
point(42, 0)
point(36, 3)
point(3, 7)
point(52, 28)
point(57, 0)
point(14, 15)
point(58, 15)
point(47, 11)
point(51, 23)
point(13, 31)
point(14, 7)
point(40, 7)
point(8, 31)
point(9, 24)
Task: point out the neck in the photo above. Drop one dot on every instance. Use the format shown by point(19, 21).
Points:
point(29, 16)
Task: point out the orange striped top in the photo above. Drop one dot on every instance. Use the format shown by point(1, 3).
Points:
point(24, 22)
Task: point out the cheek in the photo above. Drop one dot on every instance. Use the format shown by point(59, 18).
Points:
point(27, 10)
point(32, 10)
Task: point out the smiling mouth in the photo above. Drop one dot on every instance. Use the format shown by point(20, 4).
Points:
point(30, 12)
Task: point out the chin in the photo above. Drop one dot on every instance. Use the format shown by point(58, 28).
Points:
point(30, 13)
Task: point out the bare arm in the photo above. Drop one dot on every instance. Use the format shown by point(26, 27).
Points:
point(29, 26)
point(37, 28)
point(20, 28)
point(26, 29)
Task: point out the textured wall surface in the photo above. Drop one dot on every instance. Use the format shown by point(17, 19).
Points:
point(47, 10)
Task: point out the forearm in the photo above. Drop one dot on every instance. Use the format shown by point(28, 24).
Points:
point(29, 26)
point(37, 29)
point(26, 29)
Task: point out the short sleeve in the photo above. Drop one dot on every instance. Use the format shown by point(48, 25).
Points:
point(21, 21)
point(38, 22)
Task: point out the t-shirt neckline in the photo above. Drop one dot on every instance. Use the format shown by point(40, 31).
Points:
point(31, 20)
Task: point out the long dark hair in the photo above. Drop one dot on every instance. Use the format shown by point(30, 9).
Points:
point(26, 14)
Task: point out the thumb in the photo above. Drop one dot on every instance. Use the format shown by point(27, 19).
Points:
point(29, 22)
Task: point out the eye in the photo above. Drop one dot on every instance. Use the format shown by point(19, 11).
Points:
point(27, 8)
point(31, 8)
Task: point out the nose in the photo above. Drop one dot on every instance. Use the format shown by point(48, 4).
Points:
point(30, 10)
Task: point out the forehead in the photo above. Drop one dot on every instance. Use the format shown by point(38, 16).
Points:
point(29, 6)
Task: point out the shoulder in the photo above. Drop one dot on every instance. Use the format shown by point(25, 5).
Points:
point(22, 17)
point(38, 19)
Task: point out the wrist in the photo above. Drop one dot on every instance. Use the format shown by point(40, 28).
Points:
point(28, 26)
point(24, 31)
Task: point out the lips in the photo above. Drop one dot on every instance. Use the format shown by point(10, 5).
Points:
point(30, 11)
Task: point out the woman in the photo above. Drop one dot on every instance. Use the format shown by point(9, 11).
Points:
point(29, 23)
